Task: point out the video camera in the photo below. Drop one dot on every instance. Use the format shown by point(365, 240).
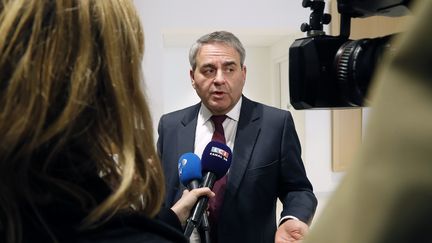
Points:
point(334, 71)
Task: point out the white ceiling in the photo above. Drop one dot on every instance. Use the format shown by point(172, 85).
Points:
point(250, 38)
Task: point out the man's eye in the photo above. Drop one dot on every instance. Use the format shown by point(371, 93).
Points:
point(208, 71)
point(229, 70)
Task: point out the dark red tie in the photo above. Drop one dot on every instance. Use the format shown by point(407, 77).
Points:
point(218, 134)
point(219, 186)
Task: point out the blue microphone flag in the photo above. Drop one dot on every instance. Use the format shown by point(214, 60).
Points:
point(189, 167)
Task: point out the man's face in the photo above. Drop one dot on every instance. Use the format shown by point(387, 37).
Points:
point(218, 77)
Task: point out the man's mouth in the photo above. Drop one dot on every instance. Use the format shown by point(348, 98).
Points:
point(218, 94)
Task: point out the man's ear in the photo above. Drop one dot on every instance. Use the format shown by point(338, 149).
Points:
point(191, 74)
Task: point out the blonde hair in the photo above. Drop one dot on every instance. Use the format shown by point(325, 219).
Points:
point(70, 76)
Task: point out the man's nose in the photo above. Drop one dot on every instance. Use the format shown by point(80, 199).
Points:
point(219, 77)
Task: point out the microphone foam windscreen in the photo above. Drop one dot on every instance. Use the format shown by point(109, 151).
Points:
point(216, 158)
point(189, 167)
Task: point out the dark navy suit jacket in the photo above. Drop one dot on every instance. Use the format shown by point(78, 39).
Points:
point(266, 165)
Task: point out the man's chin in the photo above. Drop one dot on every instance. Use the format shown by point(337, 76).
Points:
point(218, 109)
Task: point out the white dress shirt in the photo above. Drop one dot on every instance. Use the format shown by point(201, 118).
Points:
point(204, 133)
point(205, 128)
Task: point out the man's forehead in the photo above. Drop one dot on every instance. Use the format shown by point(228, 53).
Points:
point(218, 50)
point(217, 54)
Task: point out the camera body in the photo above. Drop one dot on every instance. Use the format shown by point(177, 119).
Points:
point(367, 8)
point(334, 71)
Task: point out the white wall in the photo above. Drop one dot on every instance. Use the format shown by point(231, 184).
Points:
point(202, 16)
point(258, 83)
point(176, 88)
point(266, 28)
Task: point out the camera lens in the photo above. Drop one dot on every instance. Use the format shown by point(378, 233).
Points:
point(355, 63)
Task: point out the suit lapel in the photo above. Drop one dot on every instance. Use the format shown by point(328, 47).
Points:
point(186, 132)
point(248, 130)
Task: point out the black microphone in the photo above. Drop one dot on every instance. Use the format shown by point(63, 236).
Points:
point(215, 162)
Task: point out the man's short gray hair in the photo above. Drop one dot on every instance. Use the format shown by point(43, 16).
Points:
point(223, 37)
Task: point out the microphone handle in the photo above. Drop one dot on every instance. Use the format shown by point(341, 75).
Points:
point(194, 184)
point(199, 209)
point(208, 181)
point(205, 229)
point(189, 228)
point(204, 233)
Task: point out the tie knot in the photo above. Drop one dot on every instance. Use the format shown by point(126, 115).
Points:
point(218, 134)
point(218, 119)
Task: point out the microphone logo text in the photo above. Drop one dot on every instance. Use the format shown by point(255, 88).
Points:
point(220, 153)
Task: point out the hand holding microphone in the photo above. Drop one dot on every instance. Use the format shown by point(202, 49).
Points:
point(215, 162)
point(190, 176)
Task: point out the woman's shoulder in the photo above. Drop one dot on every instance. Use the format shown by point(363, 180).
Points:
point(133, 228)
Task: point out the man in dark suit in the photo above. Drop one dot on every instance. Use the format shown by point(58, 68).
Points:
point(266, 161)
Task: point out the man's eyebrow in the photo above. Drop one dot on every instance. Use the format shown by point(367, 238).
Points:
point(208, 65)
point(229, 63)
point(225, 64)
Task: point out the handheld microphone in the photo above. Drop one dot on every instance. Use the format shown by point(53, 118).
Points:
point(190, 174)
point(189, 167)
point(215, 162)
